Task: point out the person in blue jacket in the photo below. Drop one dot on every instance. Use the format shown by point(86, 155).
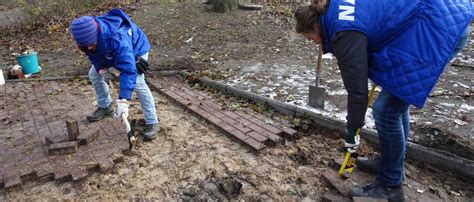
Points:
point(113, 40)
point(402, 46)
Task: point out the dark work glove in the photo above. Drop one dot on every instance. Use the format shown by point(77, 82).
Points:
point(142, 65)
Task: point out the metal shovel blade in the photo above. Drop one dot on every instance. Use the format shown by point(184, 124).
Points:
point(317, 95)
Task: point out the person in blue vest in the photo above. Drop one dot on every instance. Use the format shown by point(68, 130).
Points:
point(113, 40)
point(402, 46)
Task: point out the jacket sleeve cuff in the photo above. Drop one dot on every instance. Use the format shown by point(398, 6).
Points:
point(99, 68)
point(125, 94)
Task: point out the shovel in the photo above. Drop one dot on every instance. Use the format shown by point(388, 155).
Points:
point(317, 94)
point(132, 140)
point(350, 158)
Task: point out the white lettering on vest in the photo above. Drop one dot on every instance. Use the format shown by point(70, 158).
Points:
point(347, 12)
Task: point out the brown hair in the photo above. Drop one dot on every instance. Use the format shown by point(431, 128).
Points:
point(307, 17)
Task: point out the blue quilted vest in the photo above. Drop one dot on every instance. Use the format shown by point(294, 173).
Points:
point(409, 41)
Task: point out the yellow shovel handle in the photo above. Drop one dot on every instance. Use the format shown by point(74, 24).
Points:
point(371, 96)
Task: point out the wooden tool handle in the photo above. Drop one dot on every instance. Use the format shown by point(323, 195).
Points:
point(320, 60)
point(125, 121)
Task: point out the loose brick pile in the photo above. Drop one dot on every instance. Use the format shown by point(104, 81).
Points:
point(253, 131)
point(33, 118)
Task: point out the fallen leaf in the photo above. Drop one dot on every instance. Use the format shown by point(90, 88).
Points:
point(454, 193)
point(269, 121)
point(460, 122)
point(420, 190)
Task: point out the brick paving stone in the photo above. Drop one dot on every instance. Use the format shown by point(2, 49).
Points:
point(54, 139)
point(229, 120)
point(218, 114)
point(259, 137)
point(231, 114)
point(212, 104)
point(330, 176)
point(195, 95)
point(106, 165)
point(242, 128)
point(62, 148)
point(272, 129)
point(28, 176)
point(91, 166)
point(44, 131)
point(289, 133)
point(226, 127)
point(72, 129)
point(256, 128)
point(205, 114)
point(207, 108)
point(78, 174)
point(257, 146)
point(190, 106)
point(11, 181)
point(244, 115)
point(28, 122)
point(61, 174)
point(257, 121)
point(243, 121)
point(100, 152)
point(88, 136)
point(106, 127)
point(239, 135)
point(214, 120)
point(198, 110)
point(273, 137)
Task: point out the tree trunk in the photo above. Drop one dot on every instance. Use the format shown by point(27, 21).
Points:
point(223, 6)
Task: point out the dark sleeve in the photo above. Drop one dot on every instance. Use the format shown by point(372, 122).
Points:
point(350, 49)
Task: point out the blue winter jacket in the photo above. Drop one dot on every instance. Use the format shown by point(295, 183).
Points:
point(120, 42)
point(409, 41)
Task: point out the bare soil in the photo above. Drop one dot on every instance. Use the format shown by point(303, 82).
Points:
point(191, 160)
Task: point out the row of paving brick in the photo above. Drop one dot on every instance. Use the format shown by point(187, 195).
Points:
point(254, 131)
point(32, 112)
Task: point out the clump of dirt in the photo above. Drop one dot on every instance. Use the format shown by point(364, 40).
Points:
point(212, 187)
point(301, 157)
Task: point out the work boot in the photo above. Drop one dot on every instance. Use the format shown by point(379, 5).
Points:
point(101, 113)
point(151, 131)
point(376, 190)
point(368, 164)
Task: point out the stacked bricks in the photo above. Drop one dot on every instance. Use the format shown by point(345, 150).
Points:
point(32, 120)
point(251, 130)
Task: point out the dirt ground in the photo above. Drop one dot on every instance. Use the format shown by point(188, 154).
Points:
point(255, 50)
point(192, 160)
